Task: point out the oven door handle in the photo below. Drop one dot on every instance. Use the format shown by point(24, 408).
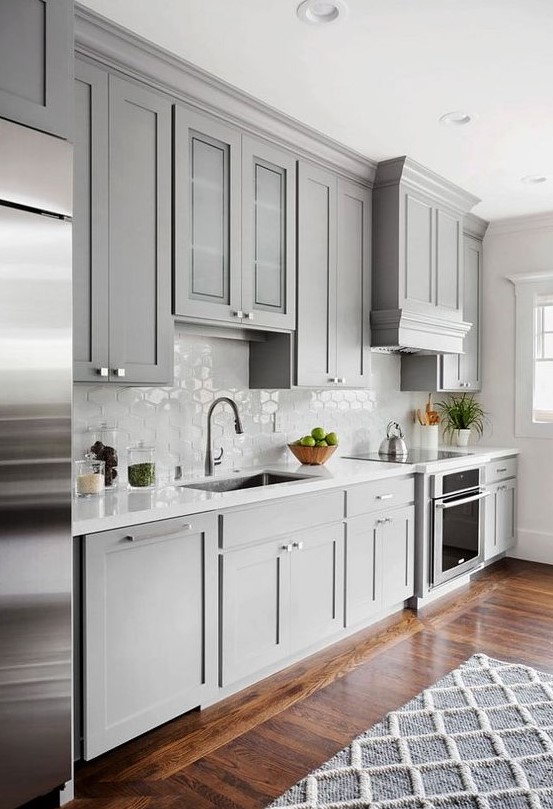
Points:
point(454, 503)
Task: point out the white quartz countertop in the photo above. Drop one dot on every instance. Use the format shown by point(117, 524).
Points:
point(121, 508)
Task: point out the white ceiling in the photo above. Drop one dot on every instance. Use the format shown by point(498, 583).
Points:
point(379, 80)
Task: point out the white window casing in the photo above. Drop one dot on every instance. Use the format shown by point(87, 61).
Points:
point(534, 354)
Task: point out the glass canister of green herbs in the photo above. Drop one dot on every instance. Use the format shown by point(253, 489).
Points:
point(141, 469)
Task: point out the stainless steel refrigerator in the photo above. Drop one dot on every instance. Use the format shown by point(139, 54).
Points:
point(35, 464)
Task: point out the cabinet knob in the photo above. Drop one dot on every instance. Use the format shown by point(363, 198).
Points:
point(119, 371)
point(248, 315)
point(381, 521)
point(342, 380)
point(102, 371)
point(287, 548)
point(238, 313)
point(298, 545)
point(333, 379)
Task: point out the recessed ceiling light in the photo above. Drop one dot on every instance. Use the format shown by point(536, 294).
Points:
point(455, 118)
point(317, 12)
point(534, 179)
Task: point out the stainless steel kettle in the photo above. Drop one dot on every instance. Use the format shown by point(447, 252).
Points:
point(394, 444)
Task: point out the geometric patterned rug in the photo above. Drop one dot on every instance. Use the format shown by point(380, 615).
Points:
point(480, 738)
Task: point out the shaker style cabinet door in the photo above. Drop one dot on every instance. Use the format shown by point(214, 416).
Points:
point(254, 597)
point(398, 556)
point(268, 235)
point(462, 371)
point(317, 226)
point(141, 326)
point(316, 585)
point(353, 300)
point(90, 225)
point(36, 53)
point(207, 272)
point(150, 639)
point(363, 586)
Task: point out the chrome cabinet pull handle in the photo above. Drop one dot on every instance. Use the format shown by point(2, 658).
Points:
point(298, 545)
point(239, 313)
point(502, 469)
point(132, 538)
point(103, 371)
point(119, 371)
point(248, 315)
point(287, 548)
point(384, 496)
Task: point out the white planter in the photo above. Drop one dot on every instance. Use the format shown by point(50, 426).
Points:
point(462, 437)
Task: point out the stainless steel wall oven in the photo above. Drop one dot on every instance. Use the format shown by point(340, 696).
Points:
point(456, 520)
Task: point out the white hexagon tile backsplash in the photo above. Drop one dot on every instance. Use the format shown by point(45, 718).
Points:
point(174, 419)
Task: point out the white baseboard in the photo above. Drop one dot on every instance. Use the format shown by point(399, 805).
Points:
point(533, 546)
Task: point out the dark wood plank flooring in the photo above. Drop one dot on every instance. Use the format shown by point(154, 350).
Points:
point(244, 752)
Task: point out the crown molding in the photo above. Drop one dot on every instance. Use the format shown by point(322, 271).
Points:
point(401, 329)
point(475, 226)
point(405, 170)
point(521, 224)
point(523, 278)
point(100, 39)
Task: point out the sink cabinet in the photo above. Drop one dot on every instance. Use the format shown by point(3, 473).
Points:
point(149, 620)
point(123, 330)
point(36, 51)
point(234, 225)
point(334, 237)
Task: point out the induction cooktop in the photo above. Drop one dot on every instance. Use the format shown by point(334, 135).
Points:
point(413, 456)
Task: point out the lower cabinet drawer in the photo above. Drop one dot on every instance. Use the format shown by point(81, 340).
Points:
point(501, 469)
point(379, 494)
point(283, 516)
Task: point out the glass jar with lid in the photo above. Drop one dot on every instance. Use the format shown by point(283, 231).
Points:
point(105, 442)
point(141, 468)
point(89, 476)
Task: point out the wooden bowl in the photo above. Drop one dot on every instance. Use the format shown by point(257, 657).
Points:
point(311, 456)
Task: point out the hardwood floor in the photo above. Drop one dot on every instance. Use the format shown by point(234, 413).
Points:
point(243, 753)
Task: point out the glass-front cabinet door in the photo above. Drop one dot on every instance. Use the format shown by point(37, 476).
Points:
point(207, 217)
point(268, 235)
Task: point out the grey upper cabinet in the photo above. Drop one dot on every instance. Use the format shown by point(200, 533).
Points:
point(150, 617)
point(462, 371)
point(417, 259)
point(123, 329)
point(454, 372)
point(207, 215)
point(268, 235)
point(90, 223)
point(140, 323)
point(36, 52)
point(234, 203)
point(333, 280)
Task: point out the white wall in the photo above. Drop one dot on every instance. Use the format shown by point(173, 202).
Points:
point(516, 246)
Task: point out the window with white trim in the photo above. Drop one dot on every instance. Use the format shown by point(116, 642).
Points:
point(534, 354)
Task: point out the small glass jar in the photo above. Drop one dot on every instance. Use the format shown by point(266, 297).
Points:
point(105, 442)
point(141, 467)
point(89, 476)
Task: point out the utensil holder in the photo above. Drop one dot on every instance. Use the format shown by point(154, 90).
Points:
point(429, 436)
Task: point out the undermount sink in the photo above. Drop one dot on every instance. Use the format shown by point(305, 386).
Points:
point(247, 482)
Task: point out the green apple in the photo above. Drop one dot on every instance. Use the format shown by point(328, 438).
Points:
point(307, 441)
point(318, 433)
point(331, 439)
point(322, 444)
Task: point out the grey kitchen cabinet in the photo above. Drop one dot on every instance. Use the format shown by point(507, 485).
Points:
point(278, 597)
point(417, 259)
point(463, 371)
point(123, 330)
point(234, 201)
point(333, 280)
point(36, 53)
point(380, 550)
point(149, 620)
point(454, 372)
point(500, 518)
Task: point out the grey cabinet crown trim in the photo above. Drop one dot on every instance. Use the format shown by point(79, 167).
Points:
point(475, 226)
point(442, 191)
point(100, 39)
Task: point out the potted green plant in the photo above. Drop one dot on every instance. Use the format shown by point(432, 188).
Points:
point(461, 414)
